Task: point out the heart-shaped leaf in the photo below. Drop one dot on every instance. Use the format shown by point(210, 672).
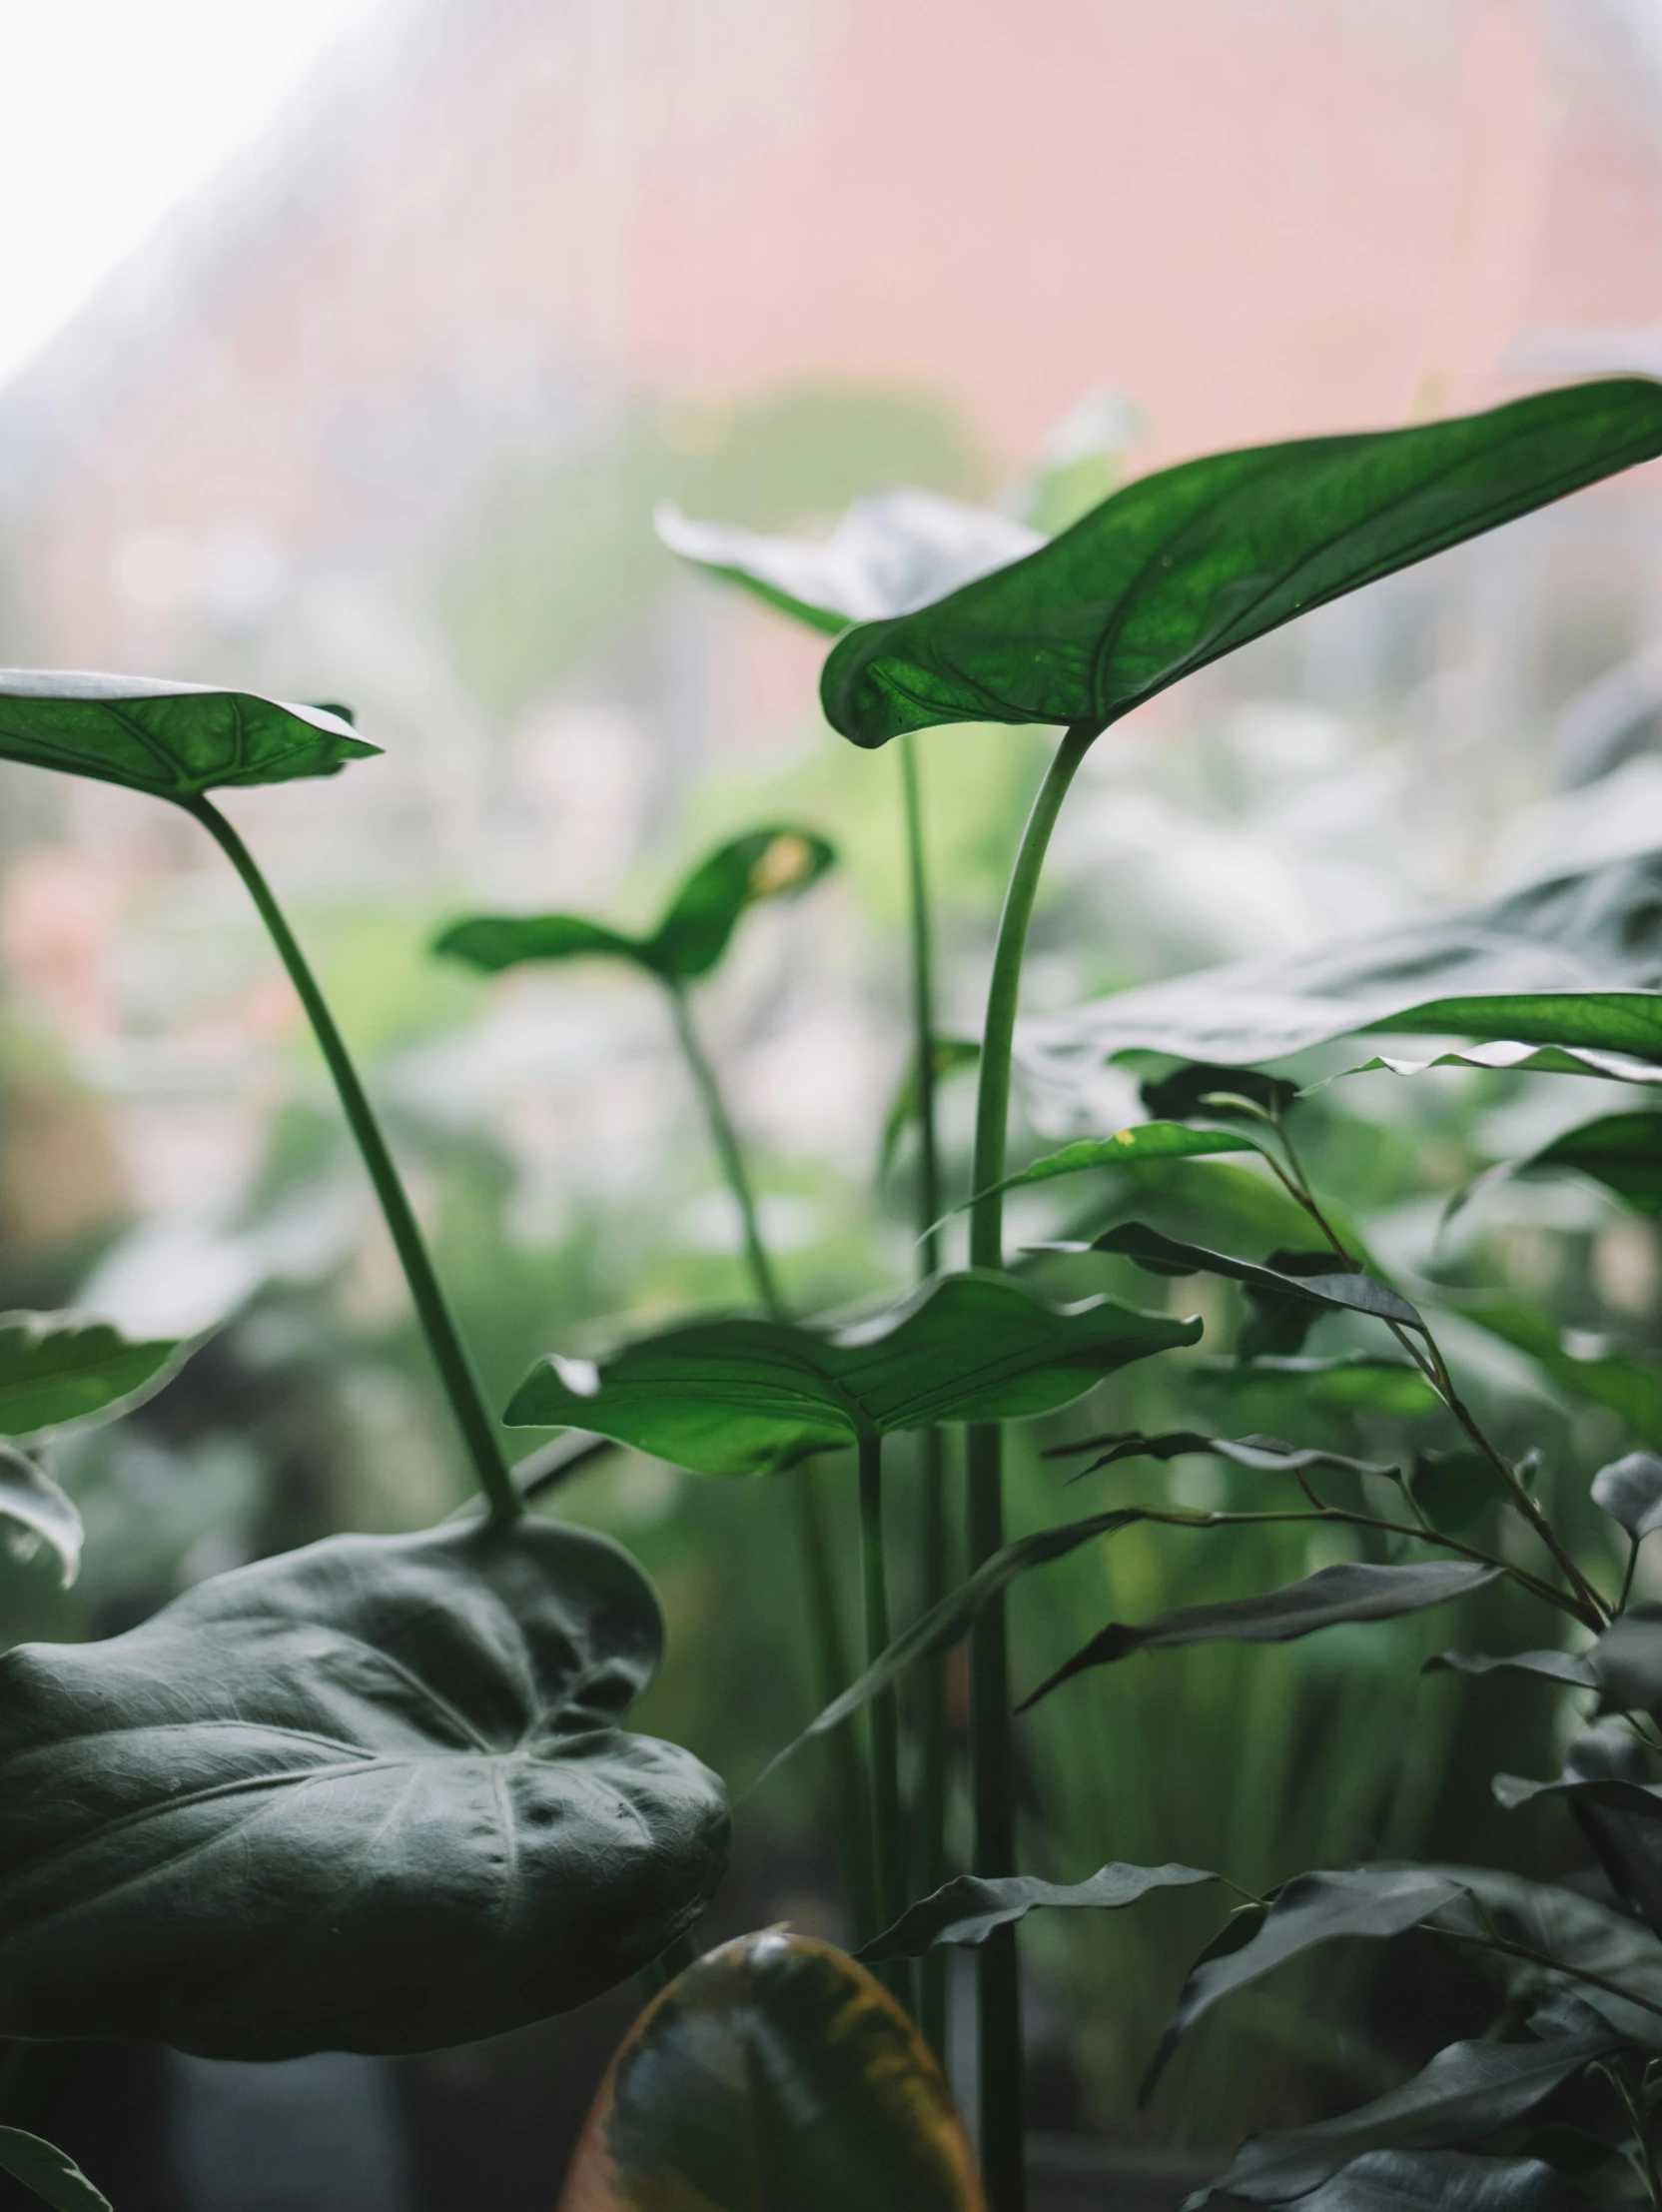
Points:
point(1187, 565)
point(694, 930)
point(61, 1368)
point(49, 2172)
point(35, 1512)
point(746, 1397)
point(1258, 1455)
point(1630, 1491)
point(889, 554)
point(1440, 2181)
point(774, 2072)
point(371, 1795)
point(1326, 1599)
point(1161, 1255)
point(967, 1910)
point(175, 740)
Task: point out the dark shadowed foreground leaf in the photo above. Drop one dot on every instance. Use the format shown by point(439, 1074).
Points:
point(1565, 1929)
point(1219, 1093)
point(34, 1510)
point(1468, 2090)
point(754, 1397)
point(175, 740)
point(773, 2073)
point(1570, 1669)
point(1606, 1778)
point(371, 1795)
point(49, 2172)
point(1187, 565)
point(1258, 1455)
point(1326, 1599)
point(1629, 1489)
point(58, 1367)
point(967, 1910)
point(1439, 2181)
point(692, 933)
point(1161, 1255)
point(889, 554)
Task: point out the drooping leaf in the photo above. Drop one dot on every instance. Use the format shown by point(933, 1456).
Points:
point(1627, 1385)
point(51, 2173)
point(1187, 565)
point(1621, 1151)
point(1324, 1600)
point(1570, 1935)
point(1148, 1142)
point(1565, 1667)
point(371, 1795)
point(175, 740)
point(774, 2072)
point(1161, 1255)
point(60, 1368)
point(1468, 2090)
point(1223, 1093)
point(691, 935)
point(1598, 929)
point(1629, 1489)
point(1258, 1455)
point(1310, 1910)
point(889, 554)
point(967, 1910)
point(34, 1510)
point(1627, 1022)
point(747, 1397)
point(1439, 2181)
point(950, 1055)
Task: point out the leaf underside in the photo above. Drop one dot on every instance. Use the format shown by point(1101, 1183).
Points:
point(64, 1367)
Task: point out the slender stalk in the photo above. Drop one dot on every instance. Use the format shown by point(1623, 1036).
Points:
point(813, 1530)
point(883, 1716)
point(930, 1705)
point(998, 1983)
point(449, 1354)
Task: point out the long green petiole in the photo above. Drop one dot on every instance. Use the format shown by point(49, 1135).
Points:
point(889, 1845)
point(449, 1354)
point(999, 1988)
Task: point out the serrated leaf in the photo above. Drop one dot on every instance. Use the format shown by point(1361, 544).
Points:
point(888, 554)
point(967, 1910)
point(1468, 2090)
point(1567, 1668)
point(1191, 563)
point(1439, 2181)
point(34, 1510)
point(175, 740)
point(371, 1795)
point(773, 2072)
point(746, 1397)
point(1629, 1489)
point(1326, 1599)
point(1258, 1455)
point(1224, 1093)
point(1161, 1255)
point(64, 1367)
point(51, 2173)
point(950, 1054)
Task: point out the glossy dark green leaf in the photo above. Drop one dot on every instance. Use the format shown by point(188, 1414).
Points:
point(967, 1910)
point(1628, 1844)
point(1570, 1935)
point(1148, 1142)
point(749, 1397)
point(1439, 2181)
point(693, 932)
point(371, 1795)
point(1258, 1455)
point(49, 2172)
point(1625, 1384)
point(951, 1055)
point(1161, 1255)
point(1569, 1668)
point(175, 740)
point(34, 1512)
point(1629, 1489)
point(1375, 1901)
point(1326, 1599)
point(1598, 1021)
point(1453, 1489)
point(1468, 2090)
point(1598, 929)
point(773, 2073)
point(1189, 563)
point(60, 1368)
point(1221, 1093)
point(889, 554)
point(1348, 1379)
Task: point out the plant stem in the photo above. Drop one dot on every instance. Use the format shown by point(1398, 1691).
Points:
point(930, 1705)
point(997, 1975)
point(883, 1717)
point(449, 1354)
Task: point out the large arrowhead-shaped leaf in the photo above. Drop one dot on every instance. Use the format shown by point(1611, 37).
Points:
point(1191, 563)
point(175, 740)
point(1440, 2181)
point(967, 1910)
point(35, 1512)
point(371, 1795)
point(49, 2172)
point(1161, 1255)
point(61, 1367)
point(773, 2073)
point(1324, 1600)
point(889, 554)
point(696, 925)
point(1468, 2090)
point(749, 1396)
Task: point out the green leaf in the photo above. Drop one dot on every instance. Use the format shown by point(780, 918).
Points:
point(1375, 1901)
point(1260, 1455)
point(1224, 1093)
point(1349, 1379)
point(950, 1054)
point(747, 1397)
point(1149, 1141)
point(1453, 1489)
point(1627, 1661)
point(175, 740)
point(1439, 2181)
point(967, 1910)
point(61, 1368)
point(1503, 1058)
point(1161, 1255)
point(1191, 563)
point(1565, 1667)
point(1627, 1386)
point(1332, 1596)
point(1570, 1931)
point(1628, 1838)
point(692, 935)
point(1468, 2090)
point(1598, 1021)
point(49, 2172)
point(774, 2072)
point(1630, 1491)
point(1621, 1151)
point(371, 1795)
point(889, 554)
point(36, 1511)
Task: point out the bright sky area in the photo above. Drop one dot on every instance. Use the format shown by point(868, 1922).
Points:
point(114, 109)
